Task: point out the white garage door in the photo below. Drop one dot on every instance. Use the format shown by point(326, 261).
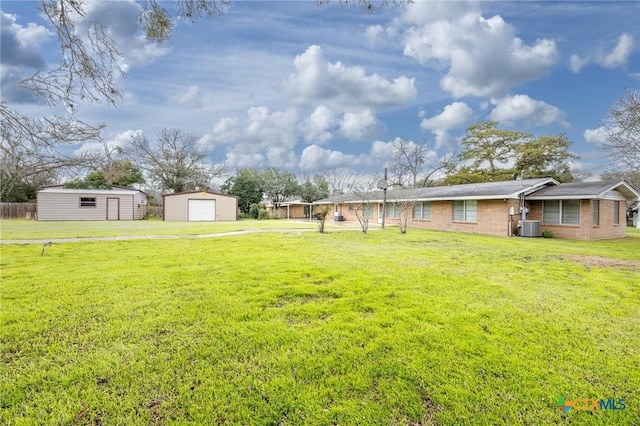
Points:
point(202, 209)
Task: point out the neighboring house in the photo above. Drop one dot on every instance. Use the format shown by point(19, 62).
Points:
point(199, 206)
point(583, 210)
point(59, 203)
point(293, 208)
point(496, 208)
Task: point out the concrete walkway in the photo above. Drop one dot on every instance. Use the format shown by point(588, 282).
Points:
point(177, 237)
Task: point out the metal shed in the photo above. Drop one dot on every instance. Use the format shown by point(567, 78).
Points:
point(58, 203)
point(199, 206)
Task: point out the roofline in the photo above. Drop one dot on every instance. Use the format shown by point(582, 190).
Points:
point(599, 195)
point(198, 192)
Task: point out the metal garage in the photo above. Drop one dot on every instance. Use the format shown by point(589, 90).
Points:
point(59, 203)
point(199, 206)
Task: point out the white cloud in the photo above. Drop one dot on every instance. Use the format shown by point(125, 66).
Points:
point(191, 98)
point(483, 55)
point(596, 136)
point(316, 128)
point(373, 32)
point(453, 116)
point(341, 87)
point(616, 58)
point(121, 19)
point(315, 157)
point(20, 45)
point(521, 108)
point(359, 126)
point(262, 134)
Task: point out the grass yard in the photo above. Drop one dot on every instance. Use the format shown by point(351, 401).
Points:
point(342, 328)
point(28, 229)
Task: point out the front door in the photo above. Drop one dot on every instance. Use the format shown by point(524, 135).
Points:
point(113, 209)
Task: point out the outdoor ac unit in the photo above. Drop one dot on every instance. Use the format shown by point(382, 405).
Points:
point(530, 228)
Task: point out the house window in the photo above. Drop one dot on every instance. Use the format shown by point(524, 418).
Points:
point(87, 201)
point(595, 212)
point(393, 210)
point(422, 211)
point(616, 212)
point(465, 210)
point(565, 212)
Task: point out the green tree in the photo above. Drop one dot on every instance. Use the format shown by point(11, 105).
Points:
point(247, 186)
point(491, 154)
point(118, 172)
point(279, 185)
point(314, 190)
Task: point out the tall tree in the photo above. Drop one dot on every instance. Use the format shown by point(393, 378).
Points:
point(279, 185)
point(174, 162)
point(314, 190)
point(116, 172)
point(491, 154)
point(415, 166)
point(622, 126)
point(247, 186)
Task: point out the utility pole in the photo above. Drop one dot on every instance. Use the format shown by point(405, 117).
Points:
point(383, 184)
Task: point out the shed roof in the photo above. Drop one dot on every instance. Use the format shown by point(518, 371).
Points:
point(586, 190)
point(115, 191)
point(199, 192)
point(471, 191)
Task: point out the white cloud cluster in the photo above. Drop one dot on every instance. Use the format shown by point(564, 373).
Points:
point(342, 88)
point(262, 137)
point(616, 58)
point(484, 57)
point(521, 108)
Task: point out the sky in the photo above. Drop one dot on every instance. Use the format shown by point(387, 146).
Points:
point(307, 88)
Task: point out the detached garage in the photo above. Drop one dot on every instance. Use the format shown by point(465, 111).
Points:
point(199, 206)
point(58, 203)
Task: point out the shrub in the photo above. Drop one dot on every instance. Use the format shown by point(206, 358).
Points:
point(263, 214)
point(547, 234)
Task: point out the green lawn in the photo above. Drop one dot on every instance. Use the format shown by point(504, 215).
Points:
point(28, 229)
point(341, 328)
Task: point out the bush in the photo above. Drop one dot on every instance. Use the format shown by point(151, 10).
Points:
point(263, 214)
point(254, 210)
point(547, 234)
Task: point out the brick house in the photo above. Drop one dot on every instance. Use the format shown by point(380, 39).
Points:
point(497, 208)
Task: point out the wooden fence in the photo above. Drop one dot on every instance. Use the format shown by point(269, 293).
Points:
point(18, 210)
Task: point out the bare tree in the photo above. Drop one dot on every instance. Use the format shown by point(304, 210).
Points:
point(406, 210)
point(322, 213)
point(363, 189)
point(415, 166)
point(623, 131)
point(31, 150)
point(174, 162)
point(340, 180)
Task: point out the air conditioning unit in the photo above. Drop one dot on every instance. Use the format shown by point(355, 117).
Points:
point(530, 228)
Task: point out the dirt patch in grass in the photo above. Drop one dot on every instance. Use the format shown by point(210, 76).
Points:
point(603, 262)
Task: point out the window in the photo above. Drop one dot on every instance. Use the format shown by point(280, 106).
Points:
point(87, 201)
point(565, 212)
point(465, 211)
point(422, 211)
point(368, 210)
point(595, 213)
point(616, 212)
point(393, 210)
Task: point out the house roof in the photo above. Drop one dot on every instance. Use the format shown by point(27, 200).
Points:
point(588, 190)
point(473, 191)
point(114, 191)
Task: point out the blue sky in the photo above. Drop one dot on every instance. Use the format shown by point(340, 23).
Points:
point(308, 88)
